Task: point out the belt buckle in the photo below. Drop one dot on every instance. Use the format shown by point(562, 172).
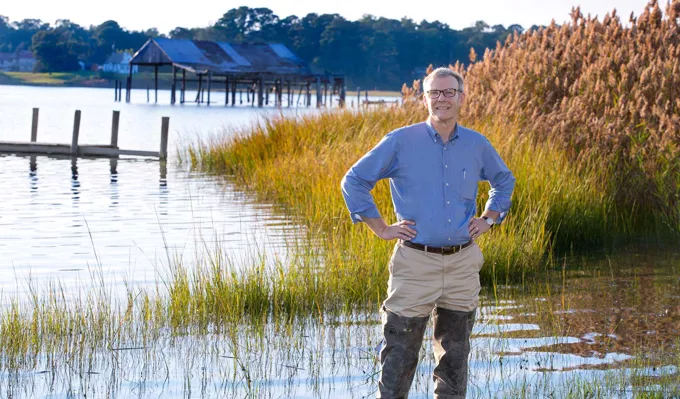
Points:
point(453, 249)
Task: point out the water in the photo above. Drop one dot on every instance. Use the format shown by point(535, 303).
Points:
point(589, 332)
point(609, 324)
point(60, 220)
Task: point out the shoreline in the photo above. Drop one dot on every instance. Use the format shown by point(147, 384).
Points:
point(139, 81)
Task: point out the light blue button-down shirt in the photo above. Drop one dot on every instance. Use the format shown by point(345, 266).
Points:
point(432, 183)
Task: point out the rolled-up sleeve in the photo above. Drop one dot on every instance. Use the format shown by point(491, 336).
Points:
point(501, 180)
point(379, 163)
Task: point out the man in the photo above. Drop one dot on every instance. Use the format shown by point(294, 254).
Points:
point(434, 168)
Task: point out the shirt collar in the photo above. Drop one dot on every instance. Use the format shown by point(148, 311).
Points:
point(435, 135)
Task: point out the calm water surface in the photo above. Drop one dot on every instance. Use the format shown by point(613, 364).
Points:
point(130, 219)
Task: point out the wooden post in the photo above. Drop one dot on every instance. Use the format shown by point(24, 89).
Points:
point(209, 84)
point(128, 97)
point(226, 90)
point(260, 93)
point(325, 94)
point(279, 93)
point(120, 91)
point(76, 132)
point(343, 93)
point(155, 82)
point(233, 92)
point(114, 129)
point(147, 93)
point(309, 95)
point(34, 125)
point(358, 97)
point(318, 92)
point(200, 88)
point(174, 85)
point(115, 90)
point(165, 125)
point(184, 84)
point(288, 87)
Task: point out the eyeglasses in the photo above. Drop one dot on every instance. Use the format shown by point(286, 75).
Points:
point(448, 93)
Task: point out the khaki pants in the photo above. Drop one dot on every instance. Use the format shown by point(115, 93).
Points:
point(420, 281)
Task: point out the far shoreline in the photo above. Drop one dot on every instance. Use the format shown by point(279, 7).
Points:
point(141, 80)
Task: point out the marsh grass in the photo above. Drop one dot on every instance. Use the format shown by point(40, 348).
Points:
point(559, 204)
point(209, 331)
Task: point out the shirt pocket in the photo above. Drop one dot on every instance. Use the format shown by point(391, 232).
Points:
point(468, 184)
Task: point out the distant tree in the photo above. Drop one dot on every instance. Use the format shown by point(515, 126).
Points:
point(5, 29)
point(56, 50)
point(152, 33)
point(372, 51)
point(515, 28)
point(240, 24)
point(181, 33)
point(20, 34)
point(4, 25)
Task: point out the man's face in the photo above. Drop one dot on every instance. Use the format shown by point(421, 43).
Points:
point(443, 108)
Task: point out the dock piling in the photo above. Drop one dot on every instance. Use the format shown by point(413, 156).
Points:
point(165, 125)
point(34, 125)
point(76, 133)
point(114, 129)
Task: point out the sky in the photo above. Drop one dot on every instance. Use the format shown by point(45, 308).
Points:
point(168, 14)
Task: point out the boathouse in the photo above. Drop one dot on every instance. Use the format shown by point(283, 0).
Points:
point(257, 70)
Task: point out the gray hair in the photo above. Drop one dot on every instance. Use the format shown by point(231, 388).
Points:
point(443, 72)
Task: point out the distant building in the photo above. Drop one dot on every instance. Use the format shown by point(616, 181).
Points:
point(20, 61)
point(119, 62)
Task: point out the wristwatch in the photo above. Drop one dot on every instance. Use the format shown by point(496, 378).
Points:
point(488, 221)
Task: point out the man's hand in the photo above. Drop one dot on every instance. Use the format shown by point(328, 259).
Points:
point(477, 227)
point(400, 230)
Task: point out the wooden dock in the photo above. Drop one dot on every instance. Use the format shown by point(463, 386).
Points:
point(75, 150)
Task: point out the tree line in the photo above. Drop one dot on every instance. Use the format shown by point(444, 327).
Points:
point(371, 52)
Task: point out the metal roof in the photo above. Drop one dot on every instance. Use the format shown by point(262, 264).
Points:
point(221, 58)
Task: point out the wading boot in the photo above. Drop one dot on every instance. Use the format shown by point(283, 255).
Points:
point(451, 343)
point(403, 337)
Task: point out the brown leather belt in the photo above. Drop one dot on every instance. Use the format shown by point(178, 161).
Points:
point(437, 250)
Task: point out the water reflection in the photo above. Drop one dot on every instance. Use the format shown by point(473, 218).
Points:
point(625, 306)
point(113, 169)
point(528, 342)
point(124, 211)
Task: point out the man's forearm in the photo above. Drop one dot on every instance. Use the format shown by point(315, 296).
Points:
point(375, 224)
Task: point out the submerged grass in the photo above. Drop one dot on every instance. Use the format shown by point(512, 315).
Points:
point(245, 347)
